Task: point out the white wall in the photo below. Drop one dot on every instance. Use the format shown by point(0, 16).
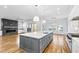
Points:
point(0, 23)
point(22, 26)
point(64, 23)
point(74, 12)
point(0, 28)
point(53, 23)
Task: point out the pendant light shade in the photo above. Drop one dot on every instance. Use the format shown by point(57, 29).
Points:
point(44, 21)
point(36, 18)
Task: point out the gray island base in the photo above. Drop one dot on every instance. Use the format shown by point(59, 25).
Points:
point(35, 42)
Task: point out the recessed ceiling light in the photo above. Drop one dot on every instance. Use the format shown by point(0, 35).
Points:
point(58, 8)
point(58, 11)
point(5, 6)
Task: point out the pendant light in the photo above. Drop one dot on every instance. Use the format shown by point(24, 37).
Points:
point(44, 21)
point(36, 18)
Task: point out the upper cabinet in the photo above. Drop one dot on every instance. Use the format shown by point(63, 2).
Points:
point(75, 24)
point(76, 18)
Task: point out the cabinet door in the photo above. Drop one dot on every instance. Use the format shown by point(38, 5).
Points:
point(75, 26)
point(35, 45)
point(22, 42)
point(42, 44)
point(25, 42)
point(75, 45)
point(28, 43)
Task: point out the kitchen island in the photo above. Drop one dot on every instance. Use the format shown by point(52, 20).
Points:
point(35, 42)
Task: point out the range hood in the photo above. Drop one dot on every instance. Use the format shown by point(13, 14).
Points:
point(76, 18)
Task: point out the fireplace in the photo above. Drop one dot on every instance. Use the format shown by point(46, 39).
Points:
point(9, 26)
point(10, 31)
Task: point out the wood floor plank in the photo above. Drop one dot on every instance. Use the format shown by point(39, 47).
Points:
point(8, 44)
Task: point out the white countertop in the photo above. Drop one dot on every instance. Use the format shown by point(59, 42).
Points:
point(36, 34)
point(61, 33)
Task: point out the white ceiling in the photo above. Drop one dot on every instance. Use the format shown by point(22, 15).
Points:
point(29, 11)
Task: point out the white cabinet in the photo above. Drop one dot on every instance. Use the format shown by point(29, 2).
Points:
point(75, 26)
point(0, 33)
point(75, 45)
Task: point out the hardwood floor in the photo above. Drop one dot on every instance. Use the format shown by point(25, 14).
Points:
point(58, 45)
point(8, 44)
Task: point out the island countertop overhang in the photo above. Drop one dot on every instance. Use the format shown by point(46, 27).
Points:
point(37, 35)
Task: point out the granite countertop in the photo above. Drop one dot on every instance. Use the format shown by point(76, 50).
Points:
point(37, 35)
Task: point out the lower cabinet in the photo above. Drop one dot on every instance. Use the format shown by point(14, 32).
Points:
point(22, 42)
point(45, 41)
point(75, 44)
point(34, 45)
